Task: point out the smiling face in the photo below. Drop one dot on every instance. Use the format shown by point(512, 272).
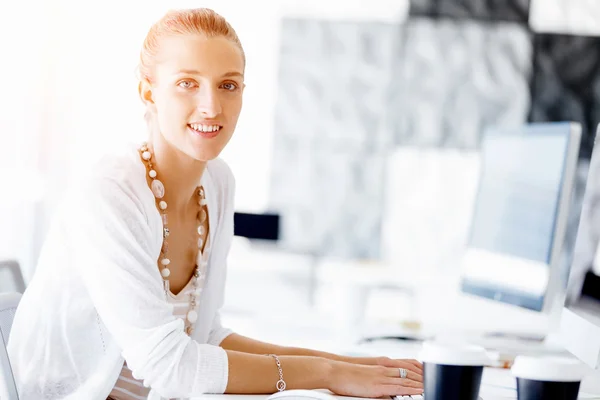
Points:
point(196, 93)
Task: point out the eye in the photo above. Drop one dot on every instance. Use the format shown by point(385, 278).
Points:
point(186, 84)
point(229, 86)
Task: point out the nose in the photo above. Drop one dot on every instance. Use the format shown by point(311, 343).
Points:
point(209, 103)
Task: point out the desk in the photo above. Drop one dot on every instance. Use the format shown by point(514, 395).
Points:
point(489, 391)
point(497, 384)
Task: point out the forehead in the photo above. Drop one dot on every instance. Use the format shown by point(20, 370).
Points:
point(211, 56)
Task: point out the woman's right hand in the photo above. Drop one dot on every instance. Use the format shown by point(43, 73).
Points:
point(374, 380)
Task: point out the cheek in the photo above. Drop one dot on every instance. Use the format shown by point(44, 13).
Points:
point(175, 108)
point(234, 107)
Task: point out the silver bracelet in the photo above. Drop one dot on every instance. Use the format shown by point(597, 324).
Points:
point(280, 383)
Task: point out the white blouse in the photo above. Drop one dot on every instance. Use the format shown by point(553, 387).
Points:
point(129, 388)
point(97, 300)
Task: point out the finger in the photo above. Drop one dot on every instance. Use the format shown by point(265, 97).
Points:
point(402, 391)
point(396, 390)
point(414, 377)
point(408, 366)
point(405, 382)
point(395, 373)
point(413, 365)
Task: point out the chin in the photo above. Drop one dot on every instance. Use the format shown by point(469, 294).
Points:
point(204, 152)
point(206, 148)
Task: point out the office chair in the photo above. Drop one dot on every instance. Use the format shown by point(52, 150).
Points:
point(8, 307)
point(15, 270)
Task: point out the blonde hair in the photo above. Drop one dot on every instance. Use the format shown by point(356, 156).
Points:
point(198, 21)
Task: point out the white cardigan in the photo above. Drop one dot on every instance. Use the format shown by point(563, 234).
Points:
point(97, 297)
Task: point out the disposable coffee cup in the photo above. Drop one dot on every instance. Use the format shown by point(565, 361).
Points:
point(548, 378)
point(452, 371)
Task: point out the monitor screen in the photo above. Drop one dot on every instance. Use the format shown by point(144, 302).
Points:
point(580, 320)
point(519, 194)
point(520, 212)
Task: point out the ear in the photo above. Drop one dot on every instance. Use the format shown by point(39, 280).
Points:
point(146, 94)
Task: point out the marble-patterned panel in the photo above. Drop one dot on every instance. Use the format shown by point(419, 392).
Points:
point(337, 210)
point(454, 79)
point(329, 131)
point(332, 77)
point(426, 8)
point(576, 17)
point(493, 10)
point(566, 82)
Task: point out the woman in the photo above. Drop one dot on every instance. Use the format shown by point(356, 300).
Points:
point(125, 300)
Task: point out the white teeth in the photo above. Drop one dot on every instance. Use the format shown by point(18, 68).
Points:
point(205, 128)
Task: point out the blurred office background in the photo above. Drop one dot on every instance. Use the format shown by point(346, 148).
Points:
point(356, 149)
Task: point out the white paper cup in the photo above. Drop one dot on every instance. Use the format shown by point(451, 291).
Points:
point(548, 378)
point(452, 371)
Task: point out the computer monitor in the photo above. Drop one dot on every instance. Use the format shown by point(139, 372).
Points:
point(514, 250)
point(580, 319)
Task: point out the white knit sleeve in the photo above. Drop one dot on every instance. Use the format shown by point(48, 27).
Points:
point(218, 333)
point(111, 249)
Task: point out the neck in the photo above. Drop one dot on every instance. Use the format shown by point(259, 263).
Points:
point(179, 173)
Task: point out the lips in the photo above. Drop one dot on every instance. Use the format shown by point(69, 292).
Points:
point(205, 130)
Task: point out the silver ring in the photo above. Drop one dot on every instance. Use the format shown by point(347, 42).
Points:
point(403, 373)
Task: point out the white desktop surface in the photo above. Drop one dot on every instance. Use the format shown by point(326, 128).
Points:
point(497, 384)
point(322, 335)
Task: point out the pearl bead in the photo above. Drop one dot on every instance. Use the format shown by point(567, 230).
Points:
point(146, 155)
point(163, 205)
point(192, 316)
point(165, 261)
point(152, 174)
point(201, 230)
point(203, 202)
point(158, 189)
point(165, 272)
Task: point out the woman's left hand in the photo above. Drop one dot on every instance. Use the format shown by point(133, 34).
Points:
point(398, 363)
point(409, 364)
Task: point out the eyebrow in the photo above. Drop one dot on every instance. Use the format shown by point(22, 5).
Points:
point(196, 72)
point(233, 73)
